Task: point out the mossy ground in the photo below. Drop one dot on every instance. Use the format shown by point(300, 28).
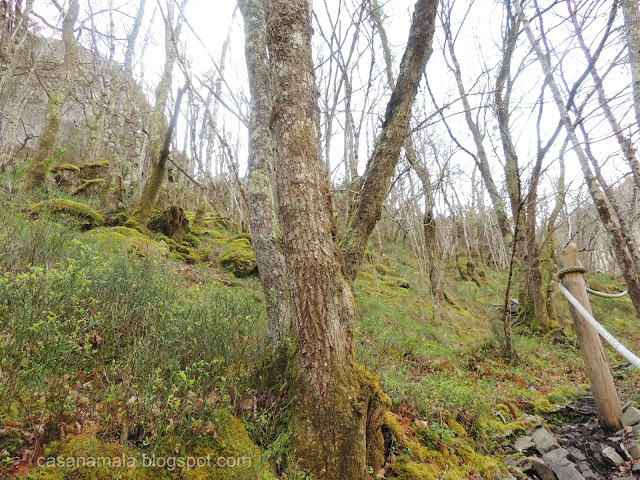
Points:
point(143, 354)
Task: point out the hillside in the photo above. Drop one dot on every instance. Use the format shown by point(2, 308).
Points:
point(119, 343)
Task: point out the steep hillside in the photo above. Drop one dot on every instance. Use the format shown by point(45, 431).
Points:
point(121, 342)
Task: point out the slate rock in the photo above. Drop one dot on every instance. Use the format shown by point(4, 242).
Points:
point(545, 442)
point(634, 449)
point(636, 467)
point(586, 472)
point(556, 458)
point(576, 454)
point(568, 472)
point(630, 417)
point(612, 457)
point(524, 443)
point(542, 469)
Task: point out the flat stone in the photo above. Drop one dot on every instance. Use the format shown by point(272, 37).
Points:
point(586, 472)
point(524, 443)
point(630, 417)
point(568, 472)
point(542, 469)
point(545, 442)
point(576, 454)
point(612, 457)
point(556, 458)
point(614, 439)
point(634, 449)
point(636, 467)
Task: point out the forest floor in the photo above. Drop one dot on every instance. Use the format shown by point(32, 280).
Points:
point(116, 344)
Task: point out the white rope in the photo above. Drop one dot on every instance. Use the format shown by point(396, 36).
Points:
point(618, 347)
point(607, 295)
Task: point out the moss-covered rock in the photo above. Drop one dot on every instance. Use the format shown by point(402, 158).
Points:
point(240, 236)
point(88, 217)
point(235, 456)
point(239, 258)
point(64, 166)
point(87, 458)
point(133, 224)
point(204, 254)
point(94, 170)
point(144, 246)
point(89, 188)
point(383, 269)
point(192, 240)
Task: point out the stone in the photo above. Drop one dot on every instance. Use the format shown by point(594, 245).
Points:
point(524, 443)
point(636, 467)
point(586, 472)
point(576, 454)
point(630, 417)
point(542, 469)
point(568, 472)
point(556, 458)
point(545, 442)
point(612, 457)
point(614, 439)
point(634, 449)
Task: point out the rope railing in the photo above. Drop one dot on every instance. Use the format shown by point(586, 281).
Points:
point(610, 339)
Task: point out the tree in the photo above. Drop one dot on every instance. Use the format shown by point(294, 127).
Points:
point(337, 407)
point(36, 174)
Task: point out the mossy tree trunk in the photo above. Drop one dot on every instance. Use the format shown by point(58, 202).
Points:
point(392, 138)
point(262, 211)
point(337, 408)
point(158, 126)
point(36, 174)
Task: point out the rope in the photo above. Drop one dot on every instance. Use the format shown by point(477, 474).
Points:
point(563, 271)
point(617, 346)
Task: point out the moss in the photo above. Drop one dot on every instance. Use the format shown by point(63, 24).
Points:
point(143, 247)
point(111, 458)
point(204, 254)
point(240, 236)
point(106, 235)
point(121, 218)
point(192, 240)
point(171, 222)
point(239, 258)
point(185, 254)
point(64, 166)
point(133, 224)
point(229, 441)
point(128, 232)
point(11, 442)
point(163, 238)
point(385, 270)
point(96, 164)
point(87, 216)
point(87, 185)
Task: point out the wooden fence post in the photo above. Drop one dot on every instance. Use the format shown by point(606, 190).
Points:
point(604, 390)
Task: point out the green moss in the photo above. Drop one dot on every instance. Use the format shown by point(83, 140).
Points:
point(143, 247)
point(87, 216)
point(96, 164)
point(240, 236)
point(192, 240)
point(383, 269)
point(133, 224)
point(64, 166)
point(11, 442)
point(163, 238)
point(121, 218)
point(94, 183)
point(239, 258)
point(204, 254)
point(231, 442)
point(128, 232)
point(91, 450)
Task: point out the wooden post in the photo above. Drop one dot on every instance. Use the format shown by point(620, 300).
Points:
point(604, 390)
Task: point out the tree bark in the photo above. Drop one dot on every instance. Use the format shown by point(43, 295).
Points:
point(389, 143)
point(337, 408)
point(262, 209)
point(632, 27)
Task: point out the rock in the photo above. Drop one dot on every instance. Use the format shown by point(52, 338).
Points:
point(634, 449)
point(542, 469)
point(545, 442)
point(576, 454)
point(524, 443)
point(614, 439)
point(636, 467)
point(568, 472)
point(556, 458)
point(586, 472)
point(612, 457)
point(630, 417)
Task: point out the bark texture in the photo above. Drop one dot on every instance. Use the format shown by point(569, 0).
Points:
point(337, 408)
point(389, 143)
point(262, 209)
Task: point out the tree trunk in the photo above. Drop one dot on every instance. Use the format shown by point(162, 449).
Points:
point(36, 174)
point(632, 27)
point(337, 409)
point(390, 141)
point(262, 210)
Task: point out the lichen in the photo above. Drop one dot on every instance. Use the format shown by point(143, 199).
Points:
point(239, 258)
